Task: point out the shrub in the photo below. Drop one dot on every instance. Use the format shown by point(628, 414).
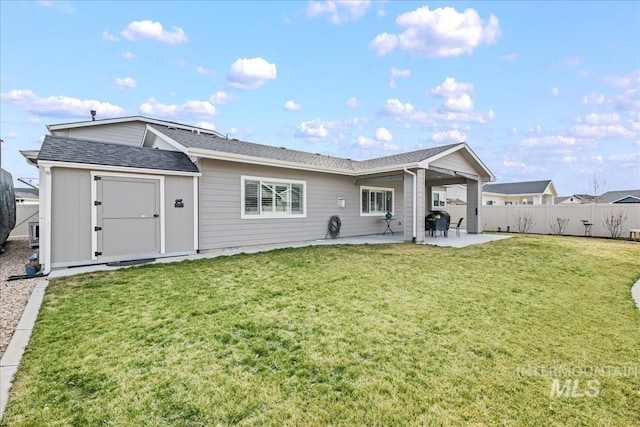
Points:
point(524, 221)
point(559, 225)
point(614, 221)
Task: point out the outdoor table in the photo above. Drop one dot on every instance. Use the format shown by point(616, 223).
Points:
point(388, 225)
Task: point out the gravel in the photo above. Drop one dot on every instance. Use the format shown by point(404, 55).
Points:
point(14, 295)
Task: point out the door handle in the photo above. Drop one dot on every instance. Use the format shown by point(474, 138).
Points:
point(156, 215)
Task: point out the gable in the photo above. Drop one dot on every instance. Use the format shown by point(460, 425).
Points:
point(457, 162)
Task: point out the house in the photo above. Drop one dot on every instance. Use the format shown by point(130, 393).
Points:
point(519, 193)
point(26, 196)
point(109, 192)
point(620, 196)
point(575, 199)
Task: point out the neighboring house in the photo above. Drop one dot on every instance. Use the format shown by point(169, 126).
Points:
point(27, 196)
point(519, 193)
point(575, 199)
point(456, 194)
point(621, 196)
point(177, 190)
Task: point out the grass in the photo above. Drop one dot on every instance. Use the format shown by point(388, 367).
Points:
point(342, 335)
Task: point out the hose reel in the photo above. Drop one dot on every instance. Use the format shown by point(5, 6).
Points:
point(334, 227)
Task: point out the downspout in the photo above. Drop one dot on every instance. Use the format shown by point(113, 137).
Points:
point(415, 208)
point(47, 220)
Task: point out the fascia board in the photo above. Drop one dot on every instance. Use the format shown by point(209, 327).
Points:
point(92, 166)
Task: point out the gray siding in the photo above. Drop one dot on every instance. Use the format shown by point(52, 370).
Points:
point(178, 221)
point(129, 133)
point(455, 161)
point(70, 215)
point(221, 225)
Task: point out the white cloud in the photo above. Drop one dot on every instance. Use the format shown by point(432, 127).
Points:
point(206, 125)
point(220, 98)
point(188, 110)
point(109, 37)
point(339, 11)
point(395, 107)
point(623, 81)
point(372, 144)
point(383, 134)
point(127, 82)
point(313, 130)
point(292, 106)
point(602, 119)
point(205, 72)
point(353, 102)
point(251, 73)
point(593, 99)
point(602, 132)
point(449, 136)
point(510, 57)
point(147, 29)
point(396, 72)
point(460, 104)
point(441, 32)
point(554, 141)
point(128, 55)
point(570, 62)
point(60, 6)
point(451, 88)
point(555, 91)
point(12, 135)
point(59, 106)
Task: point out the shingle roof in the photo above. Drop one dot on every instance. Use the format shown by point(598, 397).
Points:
point(27, 193)
point(233, 146)
point(61, 149)
point(613, 196)
point(530, 187)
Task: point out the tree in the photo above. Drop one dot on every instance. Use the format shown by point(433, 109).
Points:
point(597, 186)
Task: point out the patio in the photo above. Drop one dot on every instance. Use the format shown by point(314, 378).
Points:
point(462, 241)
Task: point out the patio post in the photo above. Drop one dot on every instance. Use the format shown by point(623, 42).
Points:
point(474, 206)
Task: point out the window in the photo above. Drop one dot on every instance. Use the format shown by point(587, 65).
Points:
point(376, 201)
point(439, 199)
point(271, 197)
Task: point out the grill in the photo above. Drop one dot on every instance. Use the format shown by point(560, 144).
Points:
point(432, 216)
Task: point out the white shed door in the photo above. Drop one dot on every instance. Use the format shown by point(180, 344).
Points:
point(128, 216)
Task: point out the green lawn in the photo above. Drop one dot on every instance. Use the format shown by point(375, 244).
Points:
point(395, 335)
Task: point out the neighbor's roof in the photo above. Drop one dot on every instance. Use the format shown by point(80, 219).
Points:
point(614, 196)
point(513, 188)
point(61, 149)
point(27, 193)
point(233, 146)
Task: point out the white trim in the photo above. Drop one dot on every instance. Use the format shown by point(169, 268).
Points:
point(368, 187)
point(415, 206)
point(114, 169)
point(196, 213)
point(244, 178)
point(425, 163)
point(172, 142)
point(628, 196)
point(94, 209)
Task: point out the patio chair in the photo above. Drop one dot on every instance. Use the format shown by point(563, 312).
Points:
point(458, 227)
point(441, 225)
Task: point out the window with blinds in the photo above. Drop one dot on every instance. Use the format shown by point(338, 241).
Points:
point(268, 198)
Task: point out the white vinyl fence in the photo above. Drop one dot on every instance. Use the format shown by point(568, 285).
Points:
point(505, 218)
point(25, 213)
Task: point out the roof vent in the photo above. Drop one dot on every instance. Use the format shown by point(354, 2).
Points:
point(283, 148)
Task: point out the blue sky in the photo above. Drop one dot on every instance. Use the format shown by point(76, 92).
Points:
point(539, 90)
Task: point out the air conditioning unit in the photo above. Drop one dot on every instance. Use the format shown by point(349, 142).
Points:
point(34, 234)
